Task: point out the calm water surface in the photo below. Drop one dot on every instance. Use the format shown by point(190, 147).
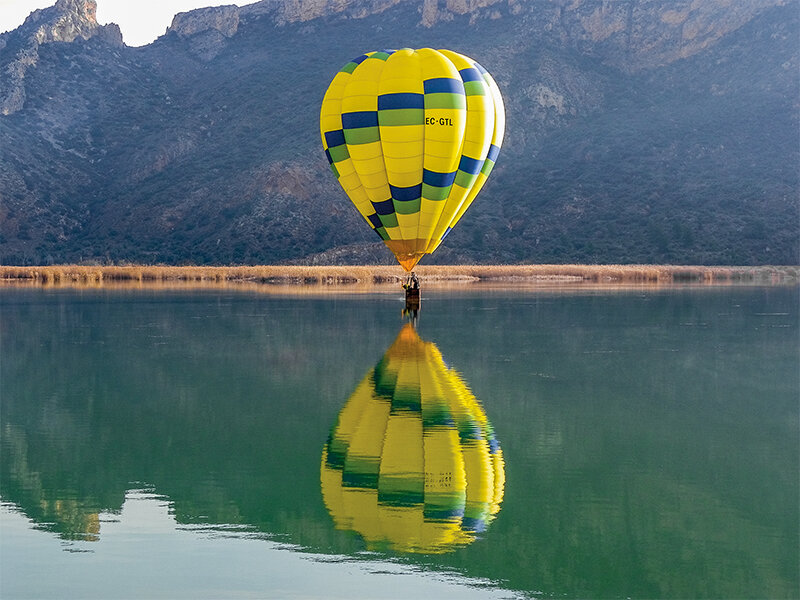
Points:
point(217, 444)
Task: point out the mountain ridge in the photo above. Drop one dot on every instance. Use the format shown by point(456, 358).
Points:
point(202, 147)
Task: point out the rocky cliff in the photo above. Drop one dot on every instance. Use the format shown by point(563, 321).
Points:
point(66, 21)
point(629, 34)
point(638, 131)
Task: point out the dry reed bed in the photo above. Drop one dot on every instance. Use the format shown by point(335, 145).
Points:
point(376, 275)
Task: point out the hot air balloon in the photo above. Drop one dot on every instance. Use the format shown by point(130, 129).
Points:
point(412, 135)
point(412, 463)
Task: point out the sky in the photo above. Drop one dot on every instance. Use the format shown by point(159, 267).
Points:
point(141, 21)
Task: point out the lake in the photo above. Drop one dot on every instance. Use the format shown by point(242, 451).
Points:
point(574, 443)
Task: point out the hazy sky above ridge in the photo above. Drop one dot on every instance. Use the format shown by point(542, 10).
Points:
point(141, 21)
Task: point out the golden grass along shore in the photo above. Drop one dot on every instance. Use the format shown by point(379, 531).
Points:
point(378, 275)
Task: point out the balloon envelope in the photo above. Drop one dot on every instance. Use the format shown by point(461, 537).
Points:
point(412, 136)
point(412, 464)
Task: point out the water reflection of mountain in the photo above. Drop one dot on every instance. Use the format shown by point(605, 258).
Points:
point(412, 464)
point(650, 439)
point(180, 394)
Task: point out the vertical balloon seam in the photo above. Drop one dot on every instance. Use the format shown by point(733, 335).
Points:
point(335, 147)
point(424, 149)
point(419, 218)
point(360, 130)
point(389, 219)
point(393, 111)
point(467, 164)
point(494, 148)
point(448, 94)
point(475, 166)
point(372, 216)
point(477, 184)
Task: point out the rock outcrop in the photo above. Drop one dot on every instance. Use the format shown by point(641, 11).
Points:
point(628, 34)
point(66, 21)
point(206, 29)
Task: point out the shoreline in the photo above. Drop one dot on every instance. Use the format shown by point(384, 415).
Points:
point(375, 277)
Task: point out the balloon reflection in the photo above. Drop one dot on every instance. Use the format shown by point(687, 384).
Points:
point(412, 464)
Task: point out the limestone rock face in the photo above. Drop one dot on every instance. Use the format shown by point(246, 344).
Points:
point(224, 19)
point(66, 21)
point(637, 35)
point(206, 29)
point(296, 11)
point(628, 34)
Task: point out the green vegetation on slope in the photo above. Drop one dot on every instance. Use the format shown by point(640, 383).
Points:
point(157, 155)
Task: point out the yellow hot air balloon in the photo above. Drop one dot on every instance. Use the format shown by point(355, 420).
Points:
point(412, 464)
point(412, 136)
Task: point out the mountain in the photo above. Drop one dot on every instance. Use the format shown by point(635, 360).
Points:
point(638, 131)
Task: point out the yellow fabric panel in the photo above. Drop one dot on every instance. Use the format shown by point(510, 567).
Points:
point(480, 126)
point(497, 140)
point(366, 158)
point(455, 199)
point(369, 162)
point(401, 166)
point(470, 197)
point(351, 184)
point(402, 73)
point(331, 120)
point(425, 230)
point(442, 141)
point(361, 94)
point(361, 90)
point(402, 144)
point(430, 212)
point(331, 111)
point(441, 155)
point(349, 180)
point(393, 233)
point(444, 134)
point(407, 222)
point(407, 135)
point(374, 183)
point(446, 217)
point(477, 138)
